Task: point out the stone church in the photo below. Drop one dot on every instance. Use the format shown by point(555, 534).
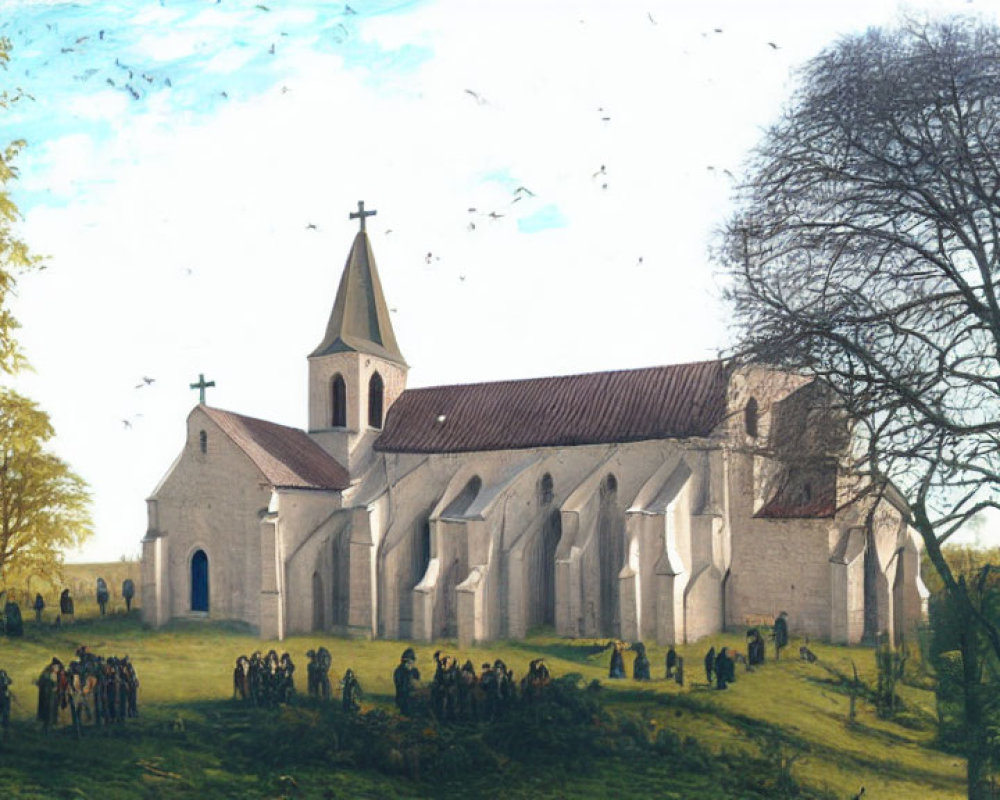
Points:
point(663, 504)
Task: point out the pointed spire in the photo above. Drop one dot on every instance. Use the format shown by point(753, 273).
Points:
point(360, 319)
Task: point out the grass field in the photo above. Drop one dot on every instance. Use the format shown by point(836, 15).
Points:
point(192, 740)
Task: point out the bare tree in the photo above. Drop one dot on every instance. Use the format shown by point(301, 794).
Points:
point(865, 252)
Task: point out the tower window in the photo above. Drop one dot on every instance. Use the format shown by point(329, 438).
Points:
point(338, 402)
point(375, 401)
point(750, 418)
point(546, 489)
point(203, 441)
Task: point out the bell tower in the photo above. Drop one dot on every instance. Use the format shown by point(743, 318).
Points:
point(357, 371)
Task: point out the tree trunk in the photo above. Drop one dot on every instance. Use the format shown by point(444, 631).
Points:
point(977, 763)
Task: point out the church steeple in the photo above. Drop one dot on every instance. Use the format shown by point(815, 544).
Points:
point(360, 320)
point(357, 372)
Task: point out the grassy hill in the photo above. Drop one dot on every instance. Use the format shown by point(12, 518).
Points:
point(782, 730)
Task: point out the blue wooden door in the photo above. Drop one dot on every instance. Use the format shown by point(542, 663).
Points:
point(199, 581)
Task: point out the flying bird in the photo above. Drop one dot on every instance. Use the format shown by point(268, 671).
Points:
point(599, 172)
point(773, 46)
point(480, 100)
point(126, 423)
point(524, 190)
point(271, 49)
point(650, 15)
point(262, 7)
point(495, 215)
point(349, 10)
point(131, 91)
point(311, 226)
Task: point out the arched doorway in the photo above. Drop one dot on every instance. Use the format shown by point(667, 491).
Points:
point(199, 581)
point(319, 621)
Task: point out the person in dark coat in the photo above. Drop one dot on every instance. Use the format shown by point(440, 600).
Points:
point(128, 592)
point(640, 667)
point(671, 662)
point(780, 634)
point(102, 595)
point(14, 623)
point(710, 664)
point(403, 678)
point(350, 693)
point(48, 694)
point(39, 606)
point(65, 603)
point(617, 668)
point(723, 669)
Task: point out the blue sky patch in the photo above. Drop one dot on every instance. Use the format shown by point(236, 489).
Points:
point(545, 218)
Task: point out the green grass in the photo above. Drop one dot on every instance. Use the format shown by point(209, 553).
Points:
point(193, 741)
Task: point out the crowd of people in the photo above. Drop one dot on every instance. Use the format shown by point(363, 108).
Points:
point(459, 693)
point(268, 680)
point(92, 689)
point(264, 680)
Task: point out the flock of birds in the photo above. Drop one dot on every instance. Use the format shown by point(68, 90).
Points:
point(139, 81)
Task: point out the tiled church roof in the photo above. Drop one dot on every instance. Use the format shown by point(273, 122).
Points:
point(287, 456)
point(623, 406)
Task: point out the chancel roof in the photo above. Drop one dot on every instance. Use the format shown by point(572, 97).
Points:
point(669, 402)
point(287, 456)
point(360, 320)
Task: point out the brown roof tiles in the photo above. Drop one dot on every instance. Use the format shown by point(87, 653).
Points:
point(287, 456)
point(627, 405)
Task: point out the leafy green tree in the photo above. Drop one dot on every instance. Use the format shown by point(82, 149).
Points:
point(44, 506)
point(865, 252)
point(15, 257)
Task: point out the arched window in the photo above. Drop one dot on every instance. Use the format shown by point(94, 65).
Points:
point(338, 402)
point(375, 401)
point(750, 418)
point(199, 581)
point(545, 490)
point(423, 549)
point(203, 441)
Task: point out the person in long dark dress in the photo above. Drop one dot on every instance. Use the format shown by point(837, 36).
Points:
point(617, 668)
point(710, 664)
point(671, 662)
point(640, 667)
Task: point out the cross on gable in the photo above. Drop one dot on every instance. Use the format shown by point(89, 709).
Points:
point(201, 386)
point(361, 214)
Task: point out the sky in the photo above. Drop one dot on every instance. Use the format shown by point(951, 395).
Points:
point(190, 167)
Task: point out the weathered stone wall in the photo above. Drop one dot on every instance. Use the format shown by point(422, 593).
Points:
point(211, 501)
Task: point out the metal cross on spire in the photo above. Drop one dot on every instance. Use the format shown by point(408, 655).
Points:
point(361, 214)
point(201, 386)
